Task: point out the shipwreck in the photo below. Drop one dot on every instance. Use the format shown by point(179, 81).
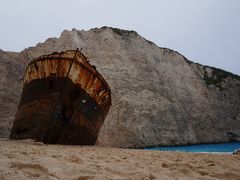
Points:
point(64, 100)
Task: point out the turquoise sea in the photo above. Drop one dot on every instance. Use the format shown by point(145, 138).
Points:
point(209, 148)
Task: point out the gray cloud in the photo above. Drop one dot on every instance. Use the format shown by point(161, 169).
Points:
point(206, 31)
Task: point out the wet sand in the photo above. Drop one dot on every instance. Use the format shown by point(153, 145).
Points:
point(27, 159)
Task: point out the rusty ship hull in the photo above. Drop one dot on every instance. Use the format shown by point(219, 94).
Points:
point(64, 100)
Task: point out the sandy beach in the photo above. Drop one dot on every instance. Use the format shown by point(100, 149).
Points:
point(27, 159)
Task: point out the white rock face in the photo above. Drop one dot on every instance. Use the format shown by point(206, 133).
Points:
point(158, 96)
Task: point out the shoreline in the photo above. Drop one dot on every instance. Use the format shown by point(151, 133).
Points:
point(202, 152)
point(215, 148)
point(183, 145)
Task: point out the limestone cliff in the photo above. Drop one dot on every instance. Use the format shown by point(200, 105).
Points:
point(158, 96)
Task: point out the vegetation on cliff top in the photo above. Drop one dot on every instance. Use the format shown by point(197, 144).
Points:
point(118, 31)
point(122, 32)
point(218, 76)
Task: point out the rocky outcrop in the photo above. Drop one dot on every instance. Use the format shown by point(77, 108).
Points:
point(158, 96)
point(11, 72)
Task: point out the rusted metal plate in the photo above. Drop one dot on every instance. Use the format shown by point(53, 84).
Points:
point(64, 100)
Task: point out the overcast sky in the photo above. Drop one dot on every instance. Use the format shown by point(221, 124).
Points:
point(205, 31)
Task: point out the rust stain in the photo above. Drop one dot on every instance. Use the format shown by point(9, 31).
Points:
point(64, 100)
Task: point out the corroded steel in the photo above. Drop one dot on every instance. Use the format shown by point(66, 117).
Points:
point(64, 100)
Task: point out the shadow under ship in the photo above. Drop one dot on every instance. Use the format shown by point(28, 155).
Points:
point(64, 100)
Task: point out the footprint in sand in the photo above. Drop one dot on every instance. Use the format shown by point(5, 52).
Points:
point(32, 170)
point(85, 177)
point(75, 159)
point(164, 165)
point(185, 171)
point(203, 173)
